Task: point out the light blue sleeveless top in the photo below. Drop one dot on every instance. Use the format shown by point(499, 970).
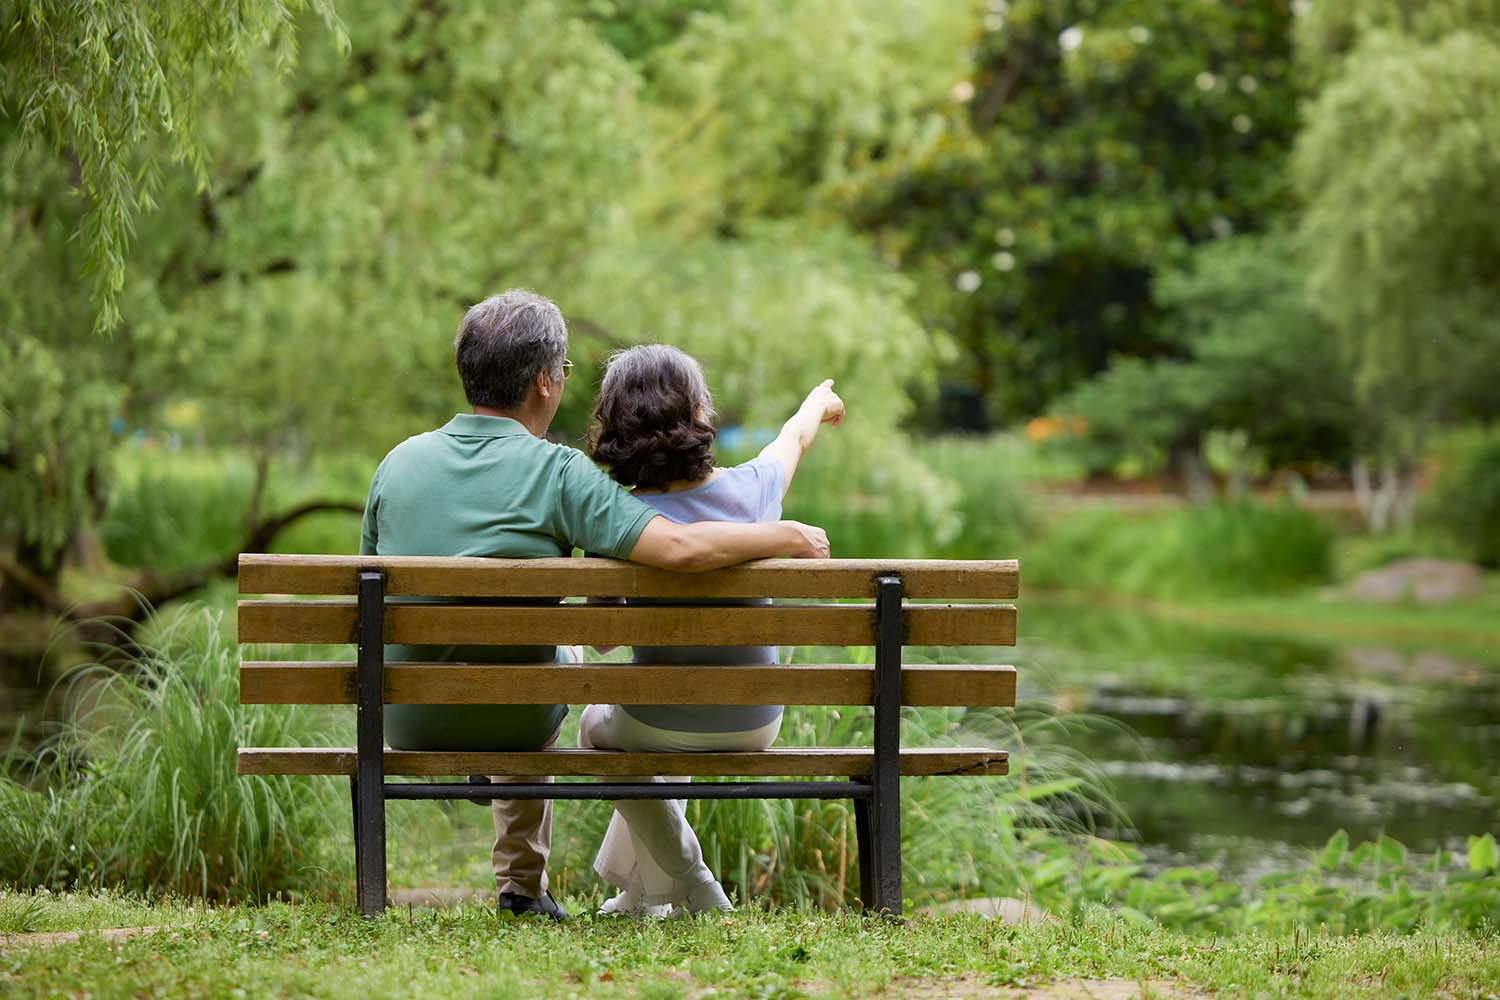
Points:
point(747, 493)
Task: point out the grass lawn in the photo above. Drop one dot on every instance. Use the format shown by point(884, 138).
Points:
point(320, 950)
point(1472, 624)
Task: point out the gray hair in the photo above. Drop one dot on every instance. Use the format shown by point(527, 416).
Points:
point(504, 342)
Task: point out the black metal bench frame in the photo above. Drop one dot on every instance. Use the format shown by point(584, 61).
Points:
point(877, 800)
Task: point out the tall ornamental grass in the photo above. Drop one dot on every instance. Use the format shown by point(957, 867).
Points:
point(961, 836)
point(139, 791)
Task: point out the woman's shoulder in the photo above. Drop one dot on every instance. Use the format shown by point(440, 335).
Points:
point(756, 470)
point(760, 479)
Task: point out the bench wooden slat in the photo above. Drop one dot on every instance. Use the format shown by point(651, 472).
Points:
point(333, 621)
point(416, 576)
point(784, 762)
point(332, 683)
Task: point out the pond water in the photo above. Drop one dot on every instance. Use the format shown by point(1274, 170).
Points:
point(1245, 750)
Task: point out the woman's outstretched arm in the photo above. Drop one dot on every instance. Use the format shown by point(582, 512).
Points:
point(822, 406)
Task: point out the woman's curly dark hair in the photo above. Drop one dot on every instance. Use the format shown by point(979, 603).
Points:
point(651, 420)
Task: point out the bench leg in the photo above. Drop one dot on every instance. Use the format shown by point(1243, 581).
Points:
point(369, 766)
point(885, 804)
point(354, 817)
point(887, 851)
point(369, 847)
point(864, 832)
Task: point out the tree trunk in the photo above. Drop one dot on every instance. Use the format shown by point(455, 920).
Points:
point(28, 580)
point(30, 597)
point(1185, 461)
point(1388, 498)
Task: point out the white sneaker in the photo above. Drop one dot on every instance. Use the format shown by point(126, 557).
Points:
point(704, 897)
point(628, 904)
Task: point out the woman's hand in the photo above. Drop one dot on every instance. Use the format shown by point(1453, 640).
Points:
point(809, 542)
point(826, 402)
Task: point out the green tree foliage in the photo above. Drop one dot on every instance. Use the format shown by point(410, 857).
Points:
point(1466, 497)
point(1100, 141)
point(116, 90)
point(1253, 359)
point(301, 293)
point(1399, 164)
point(770, 109)
point(103, 100)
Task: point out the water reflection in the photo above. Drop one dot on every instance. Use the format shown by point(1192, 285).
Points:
point(1243, 749)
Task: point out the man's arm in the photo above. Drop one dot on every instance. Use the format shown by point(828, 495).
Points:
point(822, 406)
point(707, 545)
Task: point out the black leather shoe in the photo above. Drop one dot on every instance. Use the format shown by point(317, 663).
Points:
point(480, 779)
point(525, 906)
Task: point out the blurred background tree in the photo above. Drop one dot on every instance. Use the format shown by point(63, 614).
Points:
point(1252, 360)
point(1400, 153)
point(1094, 145)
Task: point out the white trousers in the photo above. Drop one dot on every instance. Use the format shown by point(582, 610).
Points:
point(649, 849)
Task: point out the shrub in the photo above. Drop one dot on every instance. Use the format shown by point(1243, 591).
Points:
point(1465, 500)
point(170, 513)
point(993, 515)
point(1217, 549)
point(140, 792)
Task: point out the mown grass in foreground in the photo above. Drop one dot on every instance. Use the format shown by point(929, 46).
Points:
point(323, 951)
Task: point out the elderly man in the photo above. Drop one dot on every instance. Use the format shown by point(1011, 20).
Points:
point(487, 483)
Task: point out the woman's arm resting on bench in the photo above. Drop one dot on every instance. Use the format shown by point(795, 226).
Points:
point(709, 545)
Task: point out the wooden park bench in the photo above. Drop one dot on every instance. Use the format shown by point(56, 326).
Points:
point(897, 606)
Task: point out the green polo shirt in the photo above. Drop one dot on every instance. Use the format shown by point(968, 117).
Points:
point(485, 486)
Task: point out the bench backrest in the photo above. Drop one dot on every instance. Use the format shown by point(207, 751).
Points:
point(833, 609)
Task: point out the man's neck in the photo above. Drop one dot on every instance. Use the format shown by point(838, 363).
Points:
point(533, 422)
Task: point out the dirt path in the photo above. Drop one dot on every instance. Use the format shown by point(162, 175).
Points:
point(975, 988)
point(63, 937)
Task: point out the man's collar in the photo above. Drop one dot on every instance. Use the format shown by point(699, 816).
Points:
point(478, 425)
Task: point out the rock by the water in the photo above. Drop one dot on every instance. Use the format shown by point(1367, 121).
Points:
point(1426, 581)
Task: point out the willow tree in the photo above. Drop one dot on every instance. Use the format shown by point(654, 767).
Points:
point(300, 276)
point(100, 104)
point(1400, 168)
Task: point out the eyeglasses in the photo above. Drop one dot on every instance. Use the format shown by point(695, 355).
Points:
point(567, 368)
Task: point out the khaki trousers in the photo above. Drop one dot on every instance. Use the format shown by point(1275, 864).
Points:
point(523, 836)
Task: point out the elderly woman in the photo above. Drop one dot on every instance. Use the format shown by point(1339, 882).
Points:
point(653, 431)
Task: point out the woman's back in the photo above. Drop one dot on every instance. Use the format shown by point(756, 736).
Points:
point(746, 493)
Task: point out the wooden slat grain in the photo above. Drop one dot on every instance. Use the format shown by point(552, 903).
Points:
point(421, 576)
point(332, 683)
point(333, 621)
point(784, 762)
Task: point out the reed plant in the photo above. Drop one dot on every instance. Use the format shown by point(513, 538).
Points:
point(961, 837)
point(139, 789)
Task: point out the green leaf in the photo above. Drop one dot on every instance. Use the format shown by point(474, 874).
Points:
point(1484, 855)
point(1392, 851)
point(1333, 851)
